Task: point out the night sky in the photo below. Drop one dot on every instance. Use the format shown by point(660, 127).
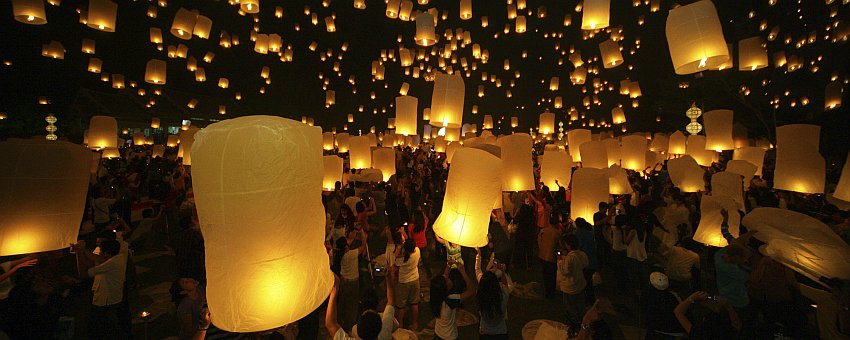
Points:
point(296, 89)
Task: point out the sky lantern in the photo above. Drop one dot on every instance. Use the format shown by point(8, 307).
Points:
point(249, 6)
point(333, 172)
point(612, 150)
point(708, 232)
point(842, 189)
point(42, 195)
point(425, 35)
point(53, 49)
point(202, 28)
point(328, 140)
point(517, 165)
point(256, 282)
point(633, 152)
point(833, 95)
point(342, 142)
point(695, 38)
point(487, 123)
point(156, 35)
point(447, 100)
point(555, 165)
point(677, 143)
point(139, 138)
point(590, 186)
point(595, 15)
point(618, 181)
point(392, 8)
point(29, 11)
point(384, 159)
point(547, 123)
point(184, 23)
point(574, 139)
point(752, 54)
point(743, 168)
point(406, 115)
point(102, 15)
point(187, 138)
point(617, 115)
point(594, 155)
point(718, 130)
point(729, 184)
point(611, 56)
point(95, 65)
point(472, 189)
point(154, 123)
point(172, 141)
point(359, 152)
point(520, 24)
point(155, 72)
point(696, 149)
point(88, 46)
point(686, 174)
point(799, 165)
point(554, 84)
point(451, 147)
point(465, 9)
point(579, 75)
point(261, 45)
point(102, 132)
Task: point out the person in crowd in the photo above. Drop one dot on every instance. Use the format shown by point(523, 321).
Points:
point(587, 244)
point(364, 212)
point(710, 323)
point(453, 251)
point(371, 325)
point(447, 293)
point(772, 287)
point(571, 281)
point(417, 232)
point(369, 304)
point(499, 242)
point(9, 269)
point(351, 198)
point(592, 326)
point(343, 223)
point(349, 270)
point(494, 289)
point(526, 231)
point(108, 269)
point(407, 260)
point(190, 299)
point(144, 232)
point(681, 266)
point(602, 233)
point(618, 251)
point(658, 306)
point(547, 243)
point(395, 240)
point(634, 238)
point(101, 206)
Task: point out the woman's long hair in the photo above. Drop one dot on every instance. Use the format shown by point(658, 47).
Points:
point(339, 250)
point(418, 221)
point(409, 248)
point(439, 292)
point(489, 296)
point(348, 223)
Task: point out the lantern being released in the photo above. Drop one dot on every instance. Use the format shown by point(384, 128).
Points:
point(686, 174)
point(257, 182)
point(43, 187)
point(575, 139)
point(696, 38)
point(799, 165)
point(406, 115)
point(590, 186)
point(103, 132)
point(333, 172)
point(595, 15)
point(718, 130)
point(472, 189)
point(708, 232)
point(359, 152)
point(633, 152)
point(447, 100)
point(517, 166)
point(384, 159)
point(594, 155)
point(555, 165)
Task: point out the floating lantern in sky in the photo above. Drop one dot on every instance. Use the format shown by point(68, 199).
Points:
point(752, 54)
point(547, 123)
point(575, 139)
point(799, 165)
point(447, 100)
point(833, 95)
point(250, 6)
point(255, 282)
point(384, 159)
point(617, 115)
point(155, 72)
point(517, 165)
point(611, 56)
point(43, 188)
point(333, 172)
point(695, 50)
point(102, 15)
point(709, 230)
point(633, 152)
point(465, 9)
point(184, 23)
point(328, 140)
point(555, 165)
point(472, 189)
point(718, 130)
point(595, 15)
point(29, 11)
point(425, 35)
point(342, 142)
point(102, 132)
point(359, 152)
point(590, 186)
point(593, 155)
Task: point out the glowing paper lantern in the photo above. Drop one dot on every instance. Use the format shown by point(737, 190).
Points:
point(743, 168)
point(157, 151)
point(202, 28)
point(452, 134)
point(472, 189)
point(677, 143)
point(842, 189)
point(617, 115)
point(612, 150)
point(155, 72)
point(633, 152)
point(590, 186)
point(660, 142)
point(29, 11)
point(103, 132)
point(695, 38)
point(799, 165)
point(686, 174)
point(406, 115)
point(594, 155)
point(102, 14)
point(43, 187)
point(172, 141)
point(575, 138)
point(425, 35)
point(595, 15)
point(447, 100)
point(708, 232)
point(95, 65)
point(611, 56)
point(833, 95)
point(384, 159)
point(618, 181)
point(187, 139)
point(801, 243)
point(256, 282)
point(728, 184)
point(718, 130)
point(328, 140)
point(342, 142)
point(360, 155)
point(465, 9)
point(488, 122)
point(696, 149)
point(450, 150)
point(440, 144)
point(555, 165)
point(110, 153)
point(517, 166)
point(250, 6)
point(184, 23)
point(547, 123)
point(752, 54)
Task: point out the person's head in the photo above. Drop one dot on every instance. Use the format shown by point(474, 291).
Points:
point(603, 206)
point(109, 247)
point(188, 284)
point(489, 295)
point(396, 235)
point(345, 211)
point(570, 242)
point(341, 244)
point(360, 207)
point(582, 223)
point(349, 192)
point(663, 250)
point(409, 248)
point(369, 325)
point(440, 286)
point(736, 254)
point(337, 185)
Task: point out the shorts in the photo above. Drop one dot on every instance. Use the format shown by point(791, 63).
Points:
point(407, 294)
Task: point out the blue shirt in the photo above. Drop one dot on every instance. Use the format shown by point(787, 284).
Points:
point(731, 281)
point(587, 244)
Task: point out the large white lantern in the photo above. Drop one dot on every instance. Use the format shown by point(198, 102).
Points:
point(29, 11)
point(342, 142)
point(695, 38)
point(594, 155)
point(447, 100)
point(590, 186)
point(633, 152)
point(729, 184)
point(517, 166)
point(360, 155)
point(718, 130)
point(752, 54)
point(612, 150)
point(547, 123)
point(575, 138)
point(751, 154)
point(257, 183)
point(425, 35)
point(406, 115)
point(677, 143)
point(43, 186)
point(102, 15)
point(618, 181)
point(555, 165)
point(595, 15)
point(743, 168)
point(799, 165)
point(384, 159)
point(709, 230)
point(696, 148)
point(686, 174)
point(103, 132)
point(472, 189)
point(611, 56)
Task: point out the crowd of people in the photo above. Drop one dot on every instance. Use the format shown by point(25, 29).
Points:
point(637, 253)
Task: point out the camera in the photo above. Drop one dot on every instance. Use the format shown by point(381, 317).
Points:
point(712, 297)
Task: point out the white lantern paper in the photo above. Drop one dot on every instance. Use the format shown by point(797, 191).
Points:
point(103, 132)
point(256, 177)
point(342, 143)
point(517, 166)
point(157, 151)
point(677, 143)
point(547, 123)
point(799, 165)
point(472, 189)
point(660, 142)
point(842, 190)
point(633, 152)
point(718, 130)
point(102, 15)
point(43, 186)
point(686, 174)
point(612, 150)
point(708, 232)
point(328, 140)
point(743, 168)
point(450, 150)
point(187, 138)
point(594, 155)
point(595, 15)
point(447, 100)
point(406, 115)
point(696, 149)
point(575, 139)
point(384, 159)
point(729, 184)
point(29, 11)
point(590, 186)
point(555, 165)
point(360, 155)
point(618, 181)
point(695, 38)
point(801, 242)
point(611, 56)
point(751, 154)
point(752, 54)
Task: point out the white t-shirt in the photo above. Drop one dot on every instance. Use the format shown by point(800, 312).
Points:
point(351, 202)
point(446, 325)
point(349, 266)
point(387, 323)
point(108, 286)
point(101, 209)
point(408, 271)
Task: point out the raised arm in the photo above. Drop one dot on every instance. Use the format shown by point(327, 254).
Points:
point(330, 314)
point(470, 289)
point(24, 262)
